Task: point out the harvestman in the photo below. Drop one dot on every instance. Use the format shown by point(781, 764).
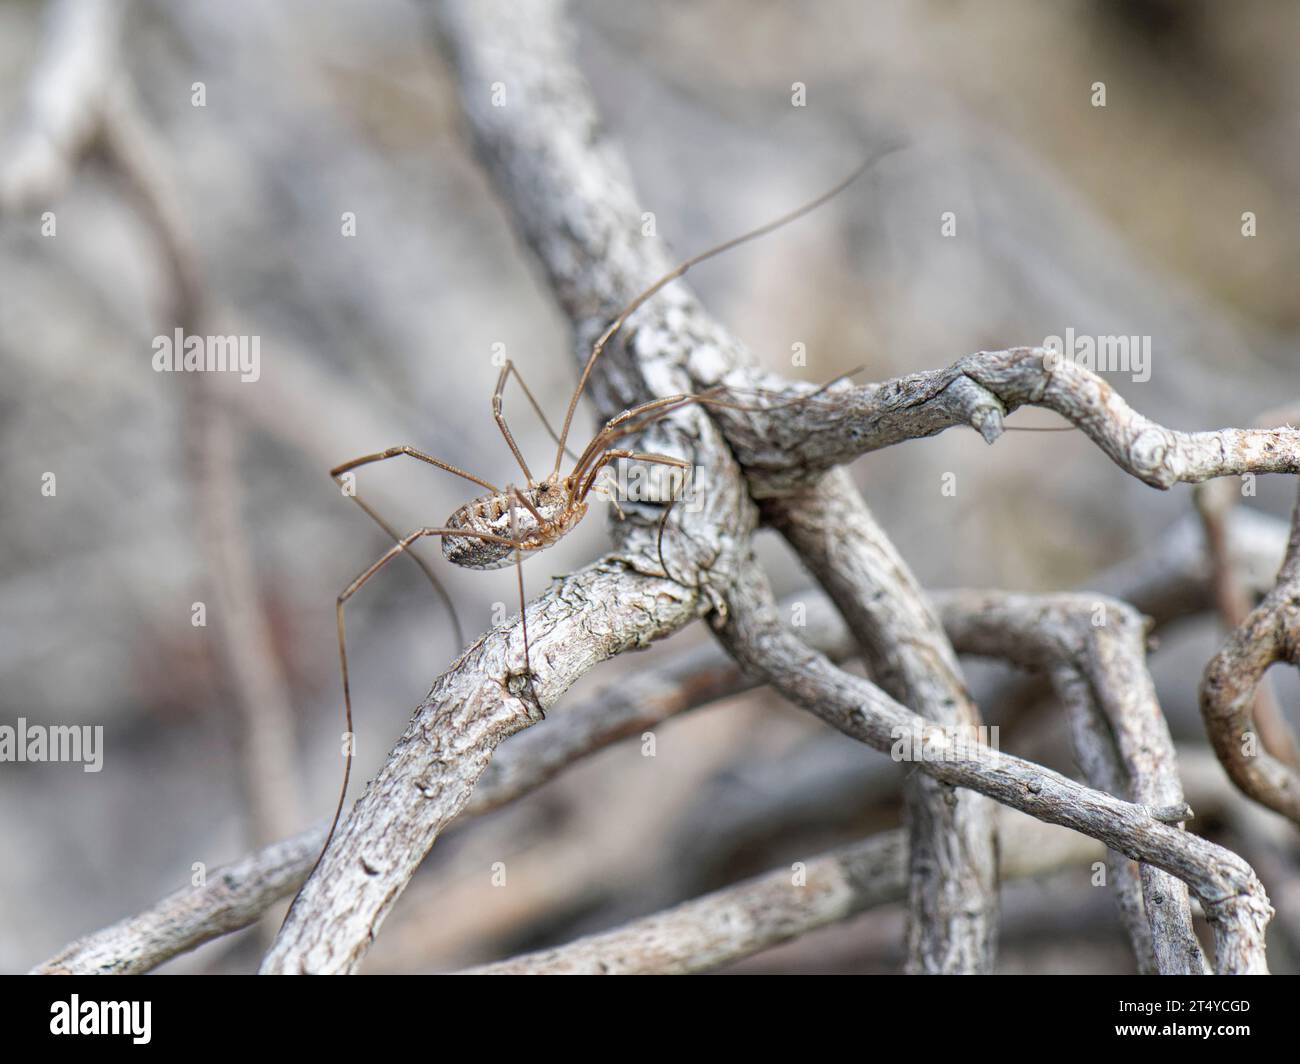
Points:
point(502, 526)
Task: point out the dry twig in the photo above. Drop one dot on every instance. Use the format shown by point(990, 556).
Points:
point(742, 919)
point(1271, 633)
point(571, 198)
point(570, 194)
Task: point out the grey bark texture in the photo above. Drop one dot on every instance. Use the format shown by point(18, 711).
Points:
point(758, 913)
point(571, 200)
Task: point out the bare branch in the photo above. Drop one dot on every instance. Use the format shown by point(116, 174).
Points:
point(751, 916)
point(1267, 840)
point(586, 618)
point(952, 925)
point(1269, 634)
point(1215, 503)
point(980, 390)
point(230, 898)
point(1233, 900)
point(1096, 650)
point(236, 895)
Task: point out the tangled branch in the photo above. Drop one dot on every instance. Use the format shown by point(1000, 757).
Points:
point(571, 200)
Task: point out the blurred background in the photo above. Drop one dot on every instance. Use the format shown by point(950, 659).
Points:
point(1122, 219)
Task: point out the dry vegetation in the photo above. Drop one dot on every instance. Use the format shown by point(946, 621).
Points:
point(569, 848)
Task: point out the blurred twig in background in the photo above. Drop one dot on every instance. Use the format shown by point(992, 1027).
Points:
point(81, 104)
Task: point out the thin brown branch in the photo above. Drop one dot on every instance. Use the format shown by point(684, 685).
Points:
point(242, 639)
point(1214, 503)
point(79, 103)
point(1234, 606)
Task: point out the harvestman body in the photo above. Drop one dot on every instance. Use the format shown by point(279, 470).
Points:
point(502, 526)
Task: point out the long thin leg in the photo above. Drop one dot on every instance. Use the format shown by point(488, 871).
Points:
point(523, 604)
point(441, 591)
point(679, 271)
point(663, 523)
point(498, 396)
point(398, 548)
point(519, 496)
point(393, 452)
point(613, 455)
point(678, 486)
point(501, 417)
point(618, 427)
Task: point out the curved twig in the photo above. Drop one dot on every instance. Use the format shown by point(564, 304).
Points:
point(980, 390)
point(1095, 649)
point(1231, 896)
point(1271, 633)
